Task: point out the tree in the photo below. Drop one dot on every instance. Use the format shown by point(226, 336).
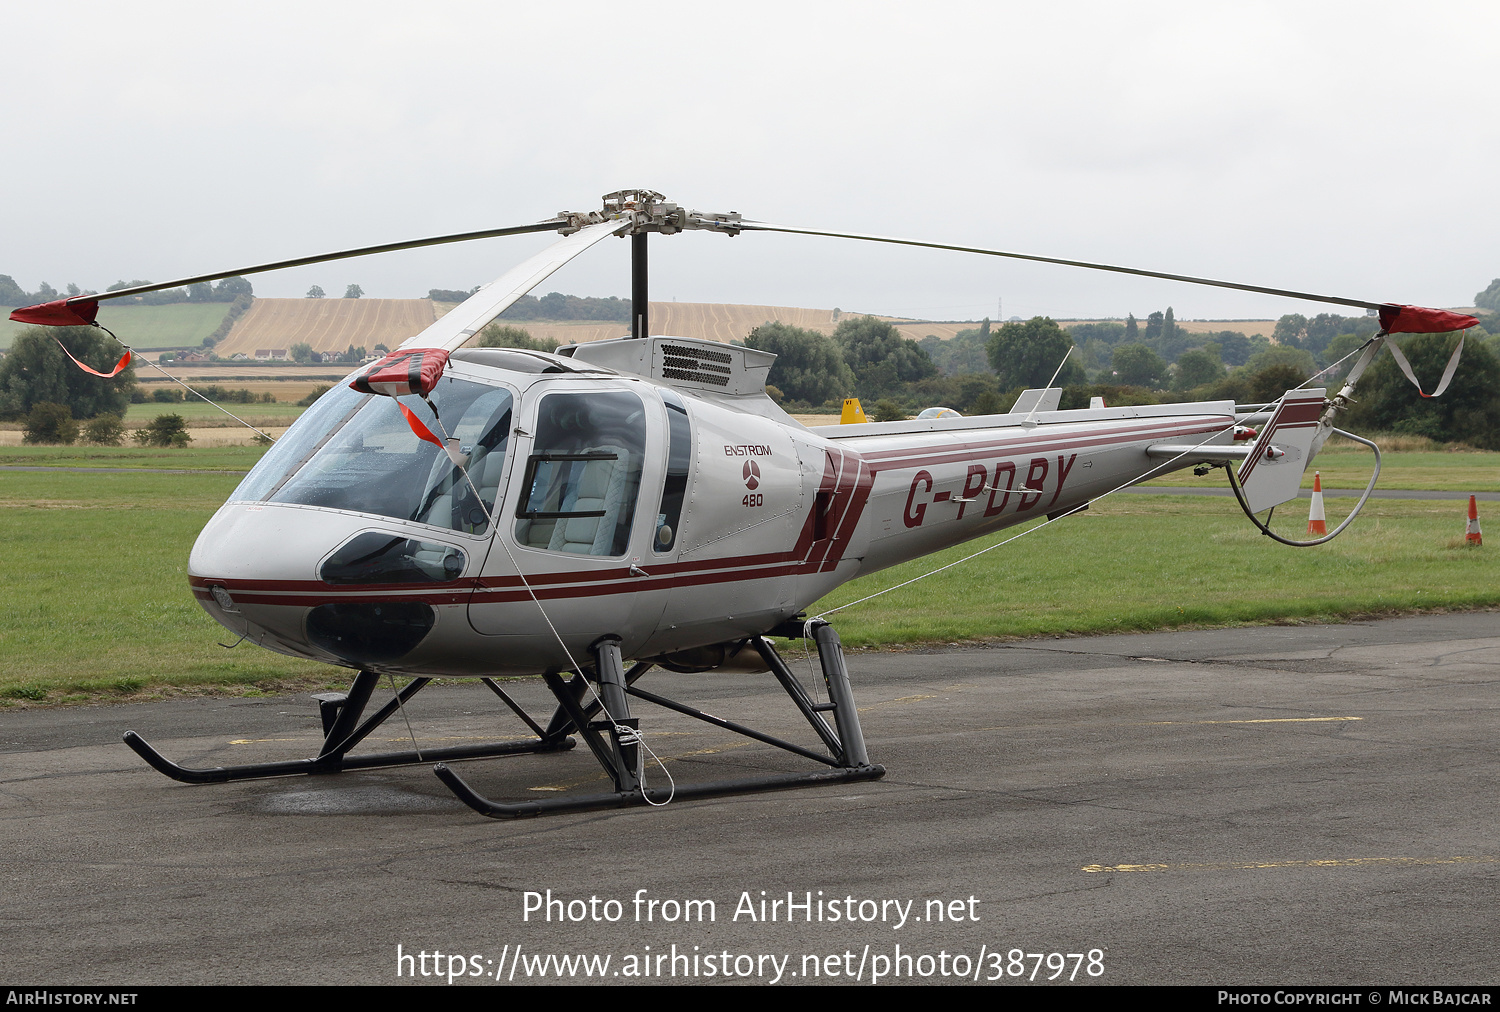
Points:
point(232, 288)
point(1132, 331)
point(315, 292)
point(1168, 327)
point(1273, 381)
point(1298, 359)
point(881, 359)
point(36, 370)
point(1138, 366)
point(1027, 354)
point(50, 423)
point(105, 430)
point(809, 366)
point(164, 430)
point(502, 336)
point(1153, 326)
point(1468, 411)
point(1235, 348)
point(965, 352)
point(1487, 299)
point(1195, 367)
point(450, 294)
point(1291, 330)
point(12, 294)
point(354, 292)
point(301, 352)
point(1340, 346)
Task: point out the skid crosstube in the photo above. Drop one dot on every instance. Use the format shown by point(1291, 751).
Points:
point(342, 730)
point(614, 741)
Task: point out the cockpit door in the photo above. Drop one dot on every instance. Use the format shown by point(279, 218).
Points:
point(574, 532)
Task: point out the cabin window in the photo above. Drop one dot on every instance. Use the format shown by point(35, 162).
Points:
point(307, 434)
point(583, 477)
point(679, 460)
point(376, 464)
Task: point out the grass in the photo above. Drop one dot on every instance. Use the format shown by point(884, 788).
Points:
point(95, 599)
point(201, 415)
point(1137, 563)
point(183, 324)
point(95, 603)
point(233, 458)
point(1425, 465)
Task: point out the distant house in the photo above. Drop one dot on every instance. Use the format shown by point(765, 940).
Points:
point(271, 353)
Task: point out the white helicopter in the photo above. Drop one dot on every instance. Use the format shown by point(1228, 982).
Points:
point(478, 512)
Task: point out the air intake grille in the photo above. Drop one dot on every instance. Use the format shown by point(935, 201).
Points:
point(698, 365)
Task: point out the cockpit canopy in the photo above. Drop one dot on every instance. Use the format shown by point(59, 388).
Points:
point(354, 451)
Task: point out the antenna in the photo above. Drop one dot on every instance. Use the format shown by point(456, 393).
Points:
point(1027, 421)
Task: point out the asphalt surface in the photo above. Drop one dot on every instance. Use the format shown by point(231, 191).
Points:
point(1274, 806)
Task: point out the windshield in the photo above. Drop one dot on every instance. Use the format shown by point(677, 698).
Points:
point(375, 463)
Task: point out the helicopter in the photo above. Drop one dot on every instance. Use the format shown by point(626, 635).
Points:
point(637, 503)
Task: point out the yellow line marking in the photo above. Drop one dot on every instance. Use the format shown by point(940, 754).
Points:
point(888, 702)
point(1263, 720)
point(1169, 723)
point(917, 699)
point(252, 741)
point(1342, 862)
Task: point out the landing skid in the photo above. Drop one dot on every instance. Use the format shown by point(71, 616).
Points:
point(613, 742)
point(342, 730)
point(614, 746)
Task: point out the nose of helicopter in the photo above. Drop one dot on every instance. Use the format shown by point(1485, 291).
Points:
point(320, 583)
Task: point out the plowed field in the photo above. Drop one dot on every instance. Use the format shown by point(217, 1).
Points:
point(326, 324)
point(335, 324)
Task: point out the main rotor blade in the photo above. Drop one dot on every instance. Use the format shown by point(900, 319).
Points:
point(762, 226)
point(465, 320)
point(390, 247)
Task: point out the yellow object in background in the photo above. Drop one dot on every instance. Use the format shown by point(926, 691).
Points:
point(853, 413)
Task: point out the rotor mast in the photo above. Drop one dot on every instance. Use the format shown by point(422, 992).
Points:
point(648, 211)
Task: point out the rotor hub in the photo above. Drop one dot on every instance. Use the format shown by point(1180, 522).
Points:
point(649, 211)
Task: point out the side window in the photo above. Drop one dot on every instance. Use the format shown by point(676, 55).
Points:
point(679, 460)
point(583, 478)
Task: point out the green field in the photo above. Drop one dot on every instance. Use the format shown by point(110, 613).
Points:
point(1438, 470)
point(182, 324)
point(96, 602)
point(200, 414)
point(229, 458)
point(1134, 563)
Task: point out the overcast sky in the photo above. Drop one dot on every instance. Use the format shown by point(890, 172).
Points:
point(1346, 148)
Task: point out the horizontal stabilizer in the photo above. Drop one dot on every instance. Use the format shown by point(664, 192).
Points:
point(1272, 472)
point(1038, 400)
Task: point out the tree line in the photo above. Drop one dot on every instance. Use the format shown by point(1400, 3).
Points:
point(982, 370)
point(227, 290)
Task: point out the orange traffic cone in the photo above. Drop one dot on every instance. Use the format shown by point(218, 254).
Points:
point(1472, 537)
point(1317, 521)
